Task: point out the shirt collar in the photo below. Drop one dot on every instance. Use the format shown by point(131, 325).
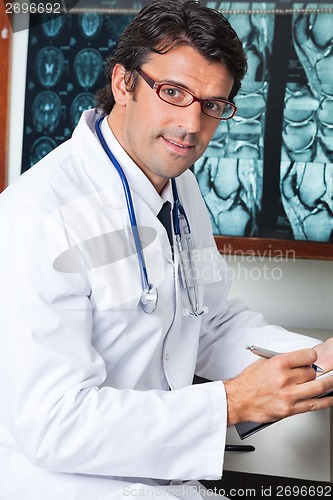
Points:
point(137, 180)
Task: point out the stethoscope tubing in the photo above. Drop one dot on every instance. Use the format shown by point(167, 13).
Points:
point(178, 210)
point(130, 207)
point(149, 293)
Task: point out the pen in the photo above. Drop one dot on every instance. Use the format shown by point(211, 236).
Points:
point(266, 353)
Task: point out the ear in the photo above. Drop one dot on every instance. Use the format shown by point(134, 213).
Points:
point(118, 85)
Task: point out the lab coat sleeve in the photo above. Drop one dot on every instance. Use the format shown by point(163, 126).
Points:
point(52, 403)
point(229, 326)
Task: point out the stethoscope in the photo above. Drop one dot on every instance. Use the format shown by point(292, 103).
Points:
point(149, 295)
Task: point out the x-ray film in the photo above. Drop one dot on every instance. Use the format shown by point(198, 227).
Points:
point(268, 172)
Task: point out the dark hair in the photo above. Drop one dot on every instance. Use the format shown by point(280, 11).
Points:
point(165, 24)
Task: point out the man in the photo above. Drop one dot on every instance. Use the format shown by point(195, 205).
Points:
point(104, 325)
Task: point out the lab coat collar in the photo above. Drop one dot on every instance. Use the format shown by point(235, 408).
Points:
point(104, 178)
point(94, 163)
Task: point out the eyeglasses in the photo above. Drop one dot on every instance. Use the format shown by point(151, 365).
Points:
point(177, 96)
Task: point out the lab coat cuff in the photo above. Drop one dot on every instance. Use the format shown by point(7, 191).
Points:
point(219, 426)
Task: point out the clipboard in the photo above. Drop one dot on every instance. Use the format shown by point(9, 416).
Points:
point(246, 429)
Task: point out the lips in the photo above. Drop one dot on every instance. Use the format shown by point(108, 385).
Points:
point(185, 147)
point(177, 144)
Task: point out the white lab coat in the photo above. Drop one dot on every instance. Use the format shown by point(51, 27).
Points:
point(86, 410)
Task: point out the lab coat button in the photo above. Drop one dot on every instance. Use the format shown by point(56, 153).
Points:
point(167, 357)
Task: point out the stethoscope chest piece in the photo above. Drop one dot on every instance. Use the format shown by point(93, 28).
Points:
point(149, 299)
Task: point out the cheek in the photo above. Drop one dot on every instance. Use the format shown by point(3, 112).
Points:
point(145, 123)
point(211, 131)
point(207, 134)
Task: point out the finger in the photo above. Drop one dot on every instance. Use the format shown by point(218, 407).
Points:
point(315, 388)
point(314, 404)
point(303, 374)
point(302, 357)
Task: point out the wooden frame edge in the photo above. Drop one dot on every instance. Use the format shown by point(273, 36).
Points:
point(288, 249)
point(5, 48)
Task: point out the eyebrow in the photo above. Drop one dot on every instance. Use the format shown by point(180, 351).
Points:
point(185, 87)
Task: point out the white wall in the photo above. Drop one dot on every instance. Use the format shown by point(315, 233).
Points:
point(293, 292)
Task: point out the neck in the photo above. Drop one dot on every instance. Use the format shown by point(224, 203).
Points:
point(115, 123)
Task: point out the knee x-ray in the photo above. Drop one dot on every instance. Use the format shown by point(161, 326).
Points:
point(306, 181)
point(268, 172)
point(230, 174)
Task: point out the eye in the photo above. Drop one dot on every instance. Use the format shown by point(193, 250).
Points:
point(173, 94)
point(215, 106)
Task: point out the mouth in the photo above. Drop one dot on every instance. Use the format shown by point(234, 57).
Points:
point(178, 147)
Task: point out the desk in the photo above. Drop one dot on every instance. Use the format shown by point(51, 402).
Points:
point(299, 447)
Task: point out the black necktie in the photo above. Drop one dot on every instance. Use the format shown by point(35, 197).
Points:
point(164, 217)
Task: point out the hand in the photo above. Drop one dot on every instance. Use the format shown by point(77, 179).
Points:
point(325, 354)
point(271, 389)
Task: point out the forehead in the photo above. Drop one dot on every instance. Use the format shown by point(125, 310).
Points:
point(187, 67)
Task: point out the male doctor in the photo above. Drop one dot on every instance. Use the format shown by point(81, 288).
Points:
point(106, 319)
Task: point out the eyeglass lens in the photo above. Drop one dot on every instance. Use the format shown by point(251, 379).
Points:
point(179, 97)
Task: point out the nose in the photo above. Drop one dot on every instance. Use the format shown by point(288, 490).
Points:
point(191, 117)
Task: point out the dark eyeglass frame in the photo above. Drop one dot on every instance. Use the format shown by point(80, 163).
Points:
point(156, 86)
